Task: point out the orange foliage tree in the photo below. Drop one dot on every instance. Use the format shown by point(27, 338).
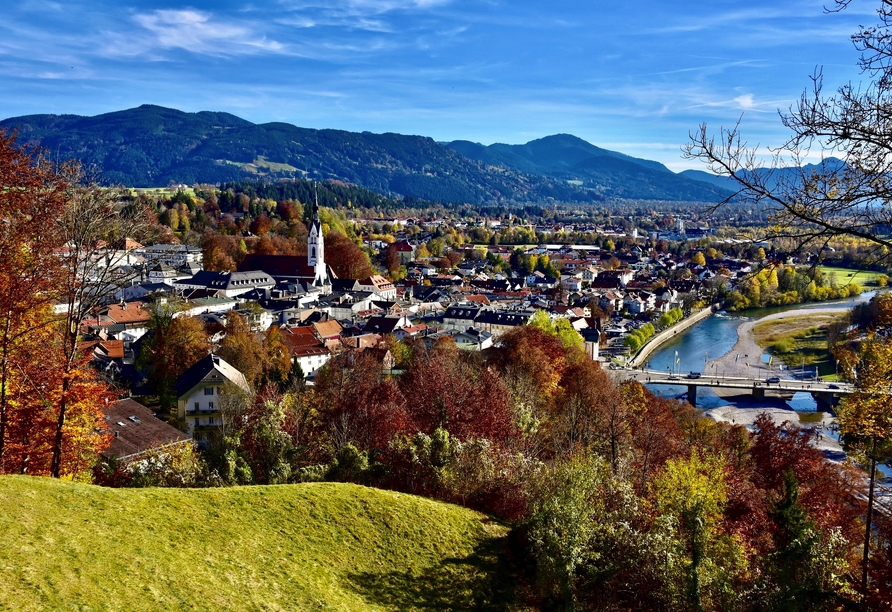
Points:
point(345, 258)
point(58, 245)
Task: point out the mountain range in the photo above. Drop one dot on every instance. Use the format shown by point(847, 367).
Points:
point(155, 146)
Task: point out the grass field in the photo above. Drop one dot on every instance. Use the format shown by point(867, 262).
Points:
point(792, 339)
point(325, 546)
point(845, 276)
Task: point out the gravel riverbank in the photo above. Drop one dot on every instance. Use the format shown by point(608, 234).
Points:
point(745, 359)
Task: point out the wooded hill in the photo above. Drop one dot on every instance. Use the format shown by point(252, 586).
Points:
point(151, 146)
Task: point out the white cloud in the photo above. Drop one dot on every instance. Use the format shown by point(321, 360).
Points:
point(745, 101)
point(193, 31)
point(354, 14)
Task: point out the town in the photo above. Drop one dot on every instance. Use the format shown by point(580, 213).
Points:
point(441, 305)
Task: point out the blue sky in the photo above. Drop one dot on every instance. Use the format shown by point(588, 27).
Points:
point(629, 76)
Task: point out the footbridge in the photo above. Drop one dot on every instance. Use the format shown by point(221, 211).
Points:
point(826, 394)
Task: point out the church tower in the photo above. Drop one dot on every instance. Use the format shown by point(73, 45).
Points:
point(316, 248)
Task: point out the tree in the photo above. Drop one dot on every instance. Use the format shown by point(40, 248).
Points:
point(93, 226)
point(243, 349)
point(694, 491)
point(391, 259)
point(277, 359)
point(698, 259)
point(34, 392)
point(172, 345)
point(32, 191)
point(453, 392)
point(568, 506)
point(345, 258)
point(865, 423)
point(813, 206)
point(806, 567)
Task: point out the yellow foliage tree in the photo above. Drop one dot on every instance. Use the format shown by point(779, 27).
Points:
point(865, 420)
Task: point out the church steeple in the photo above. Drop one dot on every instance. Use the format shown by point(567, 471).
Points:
point(316, 245)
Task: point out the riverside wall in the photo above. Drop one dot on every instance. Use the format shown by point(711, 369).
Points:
point(667, 334)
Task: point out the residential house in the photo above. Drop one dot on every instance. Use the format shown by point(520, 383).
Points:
point(198, 394)
point(385, 325)
point(131, 316)
point(137, 431)
point(460, 317)
point(175, 255)
point(379, 285)
point(306, 348)
point(497, 322)
point(405, 250)
point(471, 339)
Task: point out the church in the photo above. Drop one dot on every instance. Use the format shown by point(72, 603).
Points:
point(309, 271)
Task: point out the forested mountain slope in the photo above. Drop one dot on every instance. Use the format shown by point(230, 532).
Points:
point(154, 146)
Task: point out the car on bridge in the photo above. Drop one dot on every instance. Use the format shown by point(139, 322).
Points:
point(694, 375)
point(773, 379)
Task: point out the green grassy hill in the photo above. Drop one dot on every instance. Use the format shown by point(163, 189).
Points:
point(66, 546)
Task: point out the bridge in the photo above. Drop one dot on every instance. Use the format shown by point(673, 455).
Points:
point(826, 394)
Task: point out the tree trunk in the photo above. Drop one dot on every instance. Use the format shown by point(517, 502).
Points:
point(868, 521)
point(56, 465)
point(4, 415)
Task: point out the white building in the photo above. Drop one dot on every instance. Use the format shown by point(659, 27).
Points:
point(199, 395)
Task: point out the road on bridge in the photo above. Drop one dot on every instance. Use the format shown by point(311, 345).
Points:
point(733, 382)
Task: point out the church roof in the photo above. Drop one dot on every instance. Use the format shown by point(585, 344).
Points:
point(279, 266)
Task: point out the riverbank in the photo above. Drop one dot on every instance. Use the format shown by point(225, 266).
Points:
point(667, 334)
point(745, 357)
point(746, 410)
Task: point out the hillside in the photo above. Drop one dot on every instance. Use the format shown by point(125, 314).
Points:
point(568, 158)
point(319, 546)
point(772, 178)
point(153, 146)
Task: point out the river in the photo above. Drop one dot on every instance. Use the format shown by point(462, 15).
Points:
point(714, 337)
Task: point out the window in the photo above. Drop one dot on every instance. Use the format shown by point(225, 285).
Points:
point(208, 390)
point(210, 405)
point(196, 406)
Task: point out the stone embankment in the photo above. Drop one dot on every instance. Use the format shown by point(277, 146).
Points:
point(667, 334)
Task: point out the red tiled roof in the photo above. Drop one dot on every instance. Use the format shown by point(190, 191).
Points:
point(128, 313)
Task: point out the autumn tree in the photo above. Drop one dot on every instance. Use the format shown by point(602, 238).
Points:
point(34, 393)
point(277, 358)
point(172, 345)
point(243, 349)
point(32, 191)
point(865, 423)
point(391, 259)
point(694, 491)
point(261, 225)
point(93, 225)
point(357, 406)
point(455, 393)
point(345, 258)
